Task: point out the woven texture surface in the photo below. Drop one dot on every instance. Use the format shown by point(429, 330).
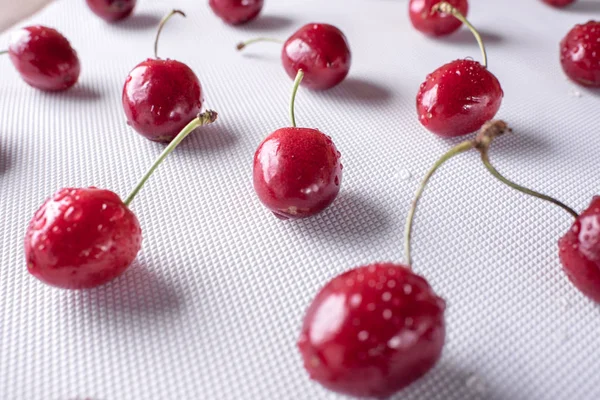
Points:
point(212, 307)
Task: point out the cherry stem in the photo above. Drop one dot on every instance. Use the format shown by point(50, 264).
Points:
point(456, 150)
point(448, 8)
point(161, 25)
point(205, 118)
point(3, 52)
point(486, 161)
point(242, 45)
point(297, 81)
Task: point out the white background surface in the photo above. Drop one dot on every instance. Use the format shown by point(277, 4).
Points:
point(212, 307)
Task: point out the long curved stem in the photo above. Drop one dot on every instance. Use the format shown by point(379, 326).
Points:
point(448, 8)
point(242, 45)
point(456, 150)
point(297, 81)
point(161, 25)
point(486, 161)
point(3, 52)
point(205, 118)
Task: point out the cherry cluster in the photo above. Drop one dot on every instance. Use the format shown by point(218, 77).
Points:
point(374, 329)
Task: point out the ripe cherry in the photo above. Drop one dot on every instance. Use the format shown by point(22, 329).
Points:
point(559, 3)
point(236, 12)
point(112, 10)
point(459, 97)
point(161, 96)
point(580, 54)
point(44, 58)
point(297, 171)
point(82, 238)
point(435, 23)
point(372, 331)
point(320, 50)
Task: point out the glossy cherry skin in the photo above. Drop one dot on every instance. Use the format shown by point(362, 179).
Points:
point(81, 238)
point(579, 251)
point(559, 3)
point(112, 10)
point(160, 97)
point(580, 54)
point(297, 172)
point(321, 51)
point(372, 331)
point(236, 12)
point(458, 98)
point(435, 24)
point(44, 58)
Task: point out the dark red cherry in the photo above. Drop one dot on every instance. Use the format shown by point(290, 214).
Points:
point(44, 58)
point(458, 98)
point(112, 10)
point(321, 51)
point(559, 3)
point(236, 12)
point(579, 251)
point(160, 97)
point(434, 23)
point(372, 331)
point(81, 238)
point(580, 54)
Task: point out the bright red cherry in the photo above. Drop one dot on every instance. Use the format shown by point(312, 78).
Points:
point(579, 251)
point(44, 58)
point(459, 97)
point(112, 10)
point(434, 23)
point(580, 54)
point(559, 3)
point(83, 238)
point(372, 331)
point(236, 12)
point(320, 50)
point(160, 97)
point(297, 171)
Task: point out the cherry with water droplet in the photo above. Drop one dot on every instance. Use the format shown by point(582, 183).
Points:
point(236, 12)
point(320, 50)
point(580, 54)
point(459, 97)
point(112, 10)
point(85, 237)
point(160, 97)
point(297, 171)
point(435, 23)
point(559, 3)
point(44, 58)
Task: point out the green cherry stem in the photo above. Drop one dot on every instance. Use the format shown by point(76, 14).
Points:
point(297, 81)
point(486, 161)
point(448, 8)
point(161, 25)
point(205, 118)
point(3, 52)
point(242, 45)
point(456, 150)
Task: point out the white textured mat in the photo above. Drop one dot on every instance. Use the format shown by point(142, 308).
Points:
point(212, 307)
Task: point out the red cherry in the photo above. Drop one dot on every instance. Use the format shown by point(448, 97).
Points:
point(458, 98)
point(372, 331)
point(297, 171)
point(580, 54)
point(559, 3)
point(81, 238)
point(434, 23)
point(579, 251)
point(236, 12)
point(160, 97)
point(44, 58)
point(320, 50)
point(112, 10)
